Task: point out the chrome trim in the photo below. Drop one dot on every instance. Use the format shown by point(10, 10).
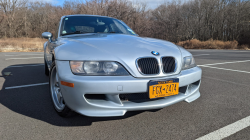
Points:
point(176, 65)
point(140, 69)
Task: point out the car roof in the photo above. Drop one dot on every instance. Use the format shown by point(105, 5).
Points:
point(86, 15)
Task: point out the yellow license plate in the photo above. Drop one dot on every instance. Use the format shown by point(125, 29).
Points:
point(158, 89)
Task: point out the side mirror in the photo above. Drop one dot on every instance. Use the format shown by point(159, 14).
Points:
point(47, 35)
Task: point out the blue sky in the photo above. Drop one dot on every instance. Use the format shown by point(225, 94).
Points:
point(151, 3)
point(60, 2)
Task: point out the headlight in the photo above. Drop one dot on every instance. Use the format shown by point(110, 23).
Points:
point(91, 67)
point(110, 67)
point(188, 62)
point(97, 68)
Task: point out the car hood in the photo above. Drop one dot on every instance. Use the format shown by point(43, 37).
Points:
point(124, 49)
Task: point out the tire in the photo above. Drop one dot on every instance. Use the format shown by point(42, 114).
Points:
point(46, 69)
point(59, 105)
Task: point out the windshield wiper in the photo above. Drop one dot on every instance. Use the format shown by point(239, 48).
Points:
point(76, 32)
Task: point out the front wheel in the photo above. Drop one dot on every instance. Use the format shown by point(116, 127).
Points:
point(56, 94)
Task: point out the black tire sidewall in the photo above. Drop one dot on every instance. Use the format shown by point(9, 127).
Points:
point(46, 68)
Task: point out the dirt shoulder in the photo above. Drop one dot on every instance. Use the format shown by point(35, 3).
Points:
point(36, 44)
point(212, 44)
point(22, 44)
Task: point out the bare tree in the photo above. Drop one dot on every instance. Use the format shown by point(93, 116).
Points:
point(175, 21)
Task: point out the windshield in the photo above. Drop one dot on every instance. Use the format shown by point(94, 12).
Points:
point(92, 24)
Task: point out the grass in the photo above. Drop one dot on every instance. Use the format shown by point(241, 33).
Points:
point(212, 44)
point(36, 44)
point(21, 44)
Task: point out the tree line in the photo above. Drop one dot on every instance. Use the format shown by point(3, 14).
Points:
point(225, 20)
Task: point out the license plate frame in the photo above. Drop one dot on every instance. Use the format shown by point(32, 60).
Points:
point(155, 88)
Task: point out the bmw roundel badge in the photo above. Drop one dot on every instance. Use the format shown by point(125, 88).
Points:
point(155, 53)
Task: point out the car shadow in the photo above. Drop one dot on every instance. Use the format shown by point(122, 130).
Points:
point(35, 101)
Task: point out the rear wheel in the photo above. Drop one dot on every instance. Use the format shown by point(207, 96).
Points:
point(56, 94)
point(46, 69)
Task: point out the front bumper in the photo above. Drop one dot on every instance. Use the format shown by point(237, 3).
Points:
point(112, 86)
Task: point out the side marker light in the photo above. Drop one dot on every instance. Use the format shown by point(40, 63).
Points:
point(67, 84)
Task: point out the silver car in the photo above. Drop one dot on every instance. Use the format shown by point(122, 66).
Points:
point(100, 67)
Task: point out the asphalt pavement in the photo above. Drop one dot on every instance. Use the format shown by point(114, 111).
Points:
point(222, 111)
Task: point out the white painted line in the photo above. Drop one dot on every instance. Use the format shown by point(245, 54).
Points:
point(31, 85)
point(241, 51)
point(23, 58)
point(17, 53)
point(226, 81)
point(26, 66)
point(210, 50)
point(226, 69)
point(225, 63)
point(227, 130)
point(201, 54)
point(23, 54)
